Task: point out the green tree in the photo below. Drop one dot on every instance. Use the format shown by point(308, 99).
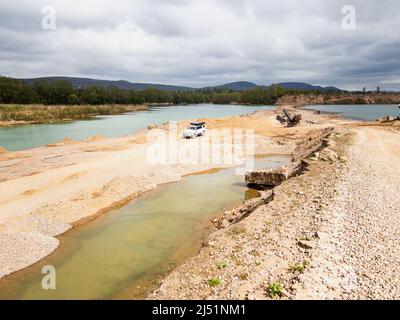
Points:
point(9, 89)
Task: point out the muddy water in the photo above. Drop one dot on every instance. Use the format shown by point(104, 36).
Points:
point(124, 253)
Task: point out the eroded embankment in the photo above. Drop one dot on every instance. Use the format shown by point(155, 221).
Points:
point(269, 178)
point(339, 98)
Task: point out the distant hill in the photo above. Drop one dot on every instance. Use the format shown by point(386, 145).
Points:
point(237, 86)
point(122, 84)
point(245, 85)
point(305, 86)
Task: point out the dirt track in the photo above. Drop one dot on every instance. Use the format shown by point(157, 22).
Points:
point(359, 249)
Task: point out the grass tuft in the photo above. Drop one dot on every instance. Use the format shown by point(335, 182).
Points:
point(274, 290)
point(222, 265)
point(214, 282)
point(299, 266)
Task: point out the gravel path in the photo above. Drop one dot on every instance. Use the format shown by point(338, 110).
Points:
point(358, 256)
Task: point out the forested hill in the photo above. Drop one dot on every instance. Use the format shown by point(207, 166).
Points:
point(120, 84)
point(123, 84)
point(305, 86)
point(64, 91)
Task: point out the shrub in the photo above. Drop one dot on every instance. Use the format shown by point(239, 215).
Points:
point(274, 290)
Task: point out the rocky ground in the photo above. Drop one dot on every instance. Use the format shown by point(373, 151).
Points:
point(359, 247)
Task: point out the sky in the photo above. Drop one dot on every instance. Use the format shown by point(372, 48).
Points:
point(205, 42)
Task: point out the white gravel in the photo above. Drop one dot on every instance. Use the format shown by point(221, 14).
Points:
point(359, 247)
point(23, 249)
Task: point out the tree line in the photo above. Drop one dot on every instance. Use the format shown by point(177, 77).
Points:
point(61, 92)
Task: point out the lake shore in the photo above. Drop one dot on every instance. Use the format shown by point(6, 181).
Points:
point(24, 114)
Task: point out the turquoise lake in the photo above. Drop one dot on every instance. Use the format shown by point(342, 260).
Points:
point(364, 112)
point(30, 136)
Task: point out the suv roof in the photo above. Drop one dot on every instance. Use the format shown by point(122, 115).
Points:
point(197, 123)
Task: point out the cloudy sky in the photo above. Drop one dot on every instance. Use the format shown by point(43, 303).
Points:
point(205, 42)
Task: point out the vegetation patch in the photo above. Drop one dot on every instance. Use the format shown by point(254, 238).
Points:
point(222, 265)
point(214, 282)
point(274, 290)
point(238, 230)
point(43, 113)
point(299, 266)
point(243, 276)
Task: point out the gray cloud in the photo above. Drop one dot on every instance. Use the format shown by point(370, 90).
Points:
point(205, 42)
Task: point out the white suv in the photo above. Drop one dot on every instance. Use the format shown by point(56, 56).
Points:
point(195, 129)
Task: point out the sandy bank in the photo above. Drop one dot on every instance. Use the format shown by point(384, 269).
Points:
point(12, 114)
